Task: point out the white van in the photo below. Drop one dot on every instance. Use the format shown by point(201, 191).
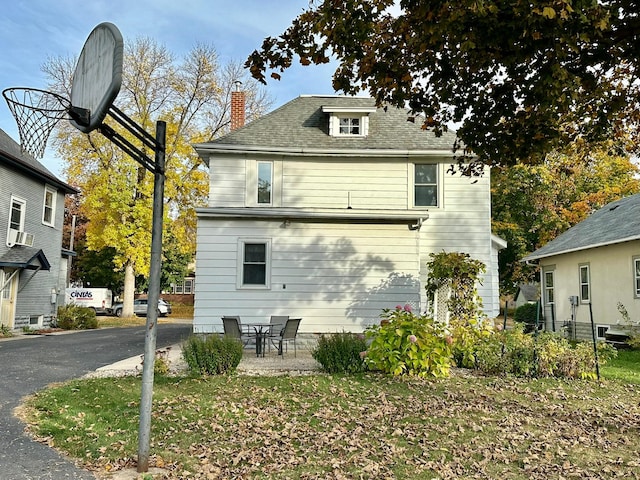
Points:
point(98, 299)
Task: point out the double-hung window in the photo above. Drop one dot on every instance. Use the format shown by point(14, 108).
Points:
point(425, 184)
point(636, 276)
point(585, 284)
point(265, 182)
point(16, 214)
point(49, 209)
point(254, 263)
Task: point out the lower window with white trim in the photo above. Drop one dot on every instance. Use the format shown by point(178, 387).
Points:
point(254, 263)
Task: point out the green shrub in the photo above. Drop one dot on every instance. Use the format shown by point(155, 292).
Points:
point(211, 354)
point(406, 344)
point(516, 353)
point(467, 337)
point(74, 317)
point(341, 353)
point(527, 314)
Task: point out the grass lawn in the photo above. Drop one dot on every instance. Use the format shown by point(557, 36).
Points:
point(343, 427)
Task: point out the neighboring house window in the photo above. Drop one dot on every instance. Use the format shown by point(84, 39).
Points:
point(184, 288)
point(548, 288)
point(636, 276)
point(16, 219)
point(425, 185)
point(16, 215)
point(585, 288)
point(600, 331)
point(265, 182)
point(49, 210)
point(254, 263)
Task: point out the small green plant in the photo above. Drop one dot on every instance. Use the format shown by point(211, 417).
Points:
point(407, 344)
point(5, 331)
point(161, 363)
point(527, 315)
point(341, 353)
point(211, 354)
point(74, 317)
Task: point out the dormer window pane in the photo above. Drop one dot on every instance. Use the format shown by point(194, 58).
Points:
point(350, 126)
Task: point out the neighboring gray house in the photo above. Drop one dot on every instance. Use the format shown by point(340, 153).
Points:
point(32, 261)
point(526, 293)
point(591, 268)
point(327, 209)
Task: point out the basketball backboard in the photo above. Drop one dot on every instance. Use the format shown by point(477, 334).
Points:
point(98, 76)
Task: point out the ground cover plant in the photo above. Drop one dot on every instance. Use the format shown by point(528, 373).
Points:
point(350, 426)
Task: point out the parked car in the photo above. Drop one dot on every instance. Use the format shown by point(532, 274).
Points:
point(140, 307)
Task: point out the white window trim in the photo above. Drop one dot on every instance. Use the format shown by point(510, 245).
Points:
point(251, 183)
point(546, 288)
point(411, 176)
point(23, 202)
point(636, 277)
point(240, 264)
point(334, 125)
point(599, 327)
point(54, 195)
point(580, 267)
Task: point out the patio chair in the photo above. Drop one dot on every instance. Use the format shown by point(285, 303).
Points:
point(277, 324)
point(233, 329)
point(288, 334)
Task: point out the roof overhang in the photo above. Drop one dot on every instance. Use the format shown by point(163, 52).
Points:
point(537, 256)
point(25, 258)
point(413, 219)
point(347, 109)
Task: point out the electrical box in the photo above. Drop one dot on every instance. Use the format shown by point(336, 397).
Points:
point(573, 300)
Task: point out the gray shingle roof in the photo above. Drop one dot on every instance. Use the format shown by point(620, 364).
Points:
point(25, 257)
point(10, 152)
point(301, 123)
point(616, 222)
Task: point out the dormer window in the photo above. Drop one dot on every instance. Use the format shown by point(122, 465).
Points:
point(348, 121)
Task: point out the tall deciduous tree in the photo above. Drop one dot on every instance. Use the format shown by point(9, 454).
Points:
point(532, 204)
point(519, 77)
point(192, 96)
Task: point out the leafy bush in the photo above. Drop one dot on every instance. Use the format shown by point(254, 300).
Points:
point(74, 317)
point(211, 354)
point(341, 353)
point(516, 353)
point(5, 331)
point(527, 314)
point(406, 344)
point(467, 337)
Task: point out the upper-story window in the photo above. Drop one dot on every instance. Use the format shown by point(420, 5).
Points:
point(265, 182)
point(16, 215)
point(49, 208)
point(425, 184)
point(17, 211)
point(348, 121)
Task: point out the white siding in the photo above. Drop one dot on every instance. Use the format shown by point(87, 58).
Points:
point(612, 281)
point(335, 277)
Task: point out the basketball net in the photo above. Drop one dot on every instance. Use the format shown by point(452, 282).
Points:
point(36, 112)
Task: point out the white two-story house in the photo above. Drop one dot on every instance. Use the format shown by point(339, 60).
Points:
point(327, 209)
point(32, 260)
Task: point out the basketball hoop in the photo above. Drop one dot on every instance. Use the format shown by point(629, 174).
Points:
point(36, 112)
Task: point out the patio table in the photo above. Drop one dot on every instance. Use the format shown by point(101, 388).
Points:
point(261, 330)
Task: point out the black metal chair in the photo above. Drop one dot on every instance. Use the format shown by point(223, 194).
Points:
point(288, 334)
point(277, 322)
point(233, 329)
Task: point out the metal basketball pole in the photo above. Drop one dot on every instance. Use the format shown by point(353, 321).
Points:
point(146, 398)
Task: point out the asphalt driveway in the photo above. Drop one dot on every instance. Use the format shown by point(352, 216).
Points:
point(30, 363)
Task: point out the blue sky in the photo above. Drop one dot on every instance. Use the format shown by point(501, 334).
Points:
point(32, 31)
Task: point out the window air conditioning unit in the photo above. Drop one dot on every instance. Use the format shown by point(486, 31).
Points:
point(17, 237)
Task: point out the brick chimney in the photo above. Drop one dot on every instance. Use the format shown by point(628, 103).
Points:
point(237, 108)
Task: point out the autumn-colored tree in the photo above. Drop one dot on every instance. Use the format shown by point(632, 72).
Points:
point(193, 97)
point(519, 77)
point(532, 204)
